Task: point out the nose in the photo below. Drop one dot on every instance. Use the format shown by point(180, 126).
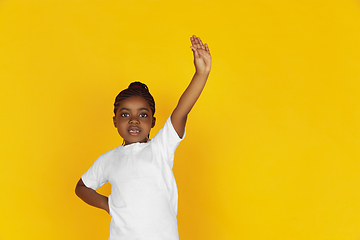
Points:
point(134, 121)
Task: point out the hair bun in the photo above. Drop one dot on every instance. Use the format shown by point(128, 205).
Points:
point(138, 85)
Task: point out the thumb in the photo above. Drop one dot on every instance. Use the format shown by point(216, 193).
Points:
point(196, 53)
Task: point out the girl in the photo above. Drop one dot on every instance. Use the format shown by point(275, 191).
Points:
point(143, 200)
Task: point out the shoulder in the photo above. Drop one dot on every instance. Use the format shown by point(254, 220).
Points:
point(167, 138)
point(109, 155)
point(168, 132)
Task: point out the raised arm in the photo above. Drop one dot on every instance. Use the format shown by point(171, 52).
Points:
point(202, 62)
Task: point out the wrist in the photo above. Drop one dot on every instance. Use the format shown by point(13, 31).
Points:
point(202, 73)
point(105, 204)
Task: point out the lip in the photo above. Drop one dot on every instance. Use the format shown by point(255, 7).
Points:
point(134, 131)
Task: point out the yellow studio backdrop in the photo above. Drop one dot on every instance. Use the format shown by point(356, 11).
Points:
point(272, 146)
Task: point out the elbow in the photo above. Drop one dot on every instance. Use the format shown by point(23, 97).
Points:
point(77, 190)
point(78, 187)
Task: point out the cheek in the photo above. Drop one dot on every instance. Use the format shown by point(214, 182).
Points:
point(150, 121)
point(119, 122)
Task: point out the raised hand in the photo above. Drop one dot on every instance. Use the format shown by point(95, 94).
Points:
point(202, 57)
point(202, 61)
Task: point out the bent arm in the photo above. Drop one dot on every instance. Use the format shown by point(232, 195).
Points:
point(202, 62)
point(91, 197)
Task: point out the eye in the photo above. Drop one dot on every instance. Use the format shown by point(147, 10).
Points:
point(125, 115)
point(143, 115)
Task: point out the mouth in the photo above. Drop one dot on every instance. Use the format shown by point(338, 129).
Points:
point(134, 131)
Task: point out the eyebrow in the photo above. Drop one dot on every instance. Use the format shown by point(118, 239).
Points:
point(141, 109)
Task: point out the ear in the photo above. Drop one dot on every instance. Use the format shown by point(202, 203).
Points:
point(153, 122)
point(114, 120)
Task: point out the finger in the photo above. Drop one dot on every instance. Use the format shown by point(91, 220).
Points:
point(198, 42)
point(193, 42)
point(201, 43)
point(196, 53)
point(207, 48)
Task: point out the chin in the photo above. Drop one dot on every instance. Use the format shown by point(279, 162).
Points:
point(130, 141)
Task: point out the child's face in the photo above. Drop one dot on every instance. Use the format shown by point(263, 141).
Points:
point(134, 119)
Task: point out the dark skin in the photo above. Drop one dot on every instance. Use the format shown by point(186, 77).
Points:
point(91, 197)
point(202, 62)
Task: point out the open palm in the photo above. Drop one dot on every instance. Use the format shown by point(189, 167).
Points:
point(202, 57)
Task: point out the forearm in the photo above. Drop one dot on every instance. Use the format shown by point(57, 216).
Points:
point(192, 93)
point(91, 197)
point(187, 101)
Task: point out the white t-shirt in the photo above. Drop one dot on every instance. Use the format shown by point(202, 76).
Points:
point(144, 199)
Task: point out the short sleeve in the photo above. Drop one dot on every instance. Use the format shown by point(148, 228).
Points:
point(166, 141)
point(95, 176)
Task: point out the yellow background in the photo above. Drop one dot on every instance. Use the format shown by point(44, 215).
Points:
point(272, 146)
